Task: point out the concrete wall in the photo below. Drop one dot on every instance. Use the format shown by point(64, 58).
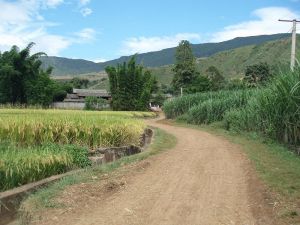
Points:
point(68, 105)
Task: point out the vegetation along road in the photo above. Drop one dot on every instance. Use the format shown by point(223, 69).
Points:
point(204, 179)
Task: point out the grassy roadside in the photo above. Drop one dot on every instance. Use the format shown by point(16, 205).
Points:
point(276, 165)
point(43, 198)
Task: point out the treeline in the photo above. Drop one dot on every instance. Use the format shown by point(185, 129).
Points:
point(22, 81)
point(188, 78)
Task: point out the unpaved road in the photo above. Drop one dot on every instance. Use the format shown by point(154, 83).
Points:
point(204, 180)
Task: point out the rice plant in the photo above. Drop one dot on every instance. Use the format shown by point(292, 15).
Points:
point(21, 166)
point(40, 143)
point(90, 129)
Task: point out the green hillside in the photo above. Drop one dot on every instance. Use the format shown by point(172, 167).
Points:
point(232, 63)
point(73, 67)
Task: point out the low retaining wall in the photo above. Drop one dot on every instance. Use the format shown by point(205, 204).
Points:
point(106, 155)
point(11, 199)
point(68, 105)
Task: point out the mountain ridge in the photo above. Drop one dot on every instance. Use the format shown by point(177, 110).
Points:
point(66, 66)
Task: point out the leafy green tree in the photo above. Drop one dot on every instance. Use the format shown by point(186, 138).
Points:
point(130, 86)
point(79, 83)
point(41, 91)
point(257, 73)
point(200, 84)
point(22, 80)
point(215, 77)
point(184, 70)
point(159, 99)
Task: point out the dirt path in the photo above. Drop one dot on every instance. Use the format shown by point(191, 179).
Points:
point(204, 180)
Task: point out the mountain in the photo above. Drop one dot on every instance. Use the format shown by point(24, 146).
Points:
point(232, 63)
point(65, 66)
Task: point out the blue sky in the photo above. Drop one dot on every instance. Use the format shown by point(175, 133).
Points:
point(100, 30)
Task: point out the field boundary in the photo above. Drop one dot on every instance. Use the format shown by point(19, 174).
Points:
point(10, 200)
point(42, 199)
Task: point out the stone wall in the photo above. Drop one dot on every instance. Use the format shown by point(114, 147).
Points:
point(105, 155)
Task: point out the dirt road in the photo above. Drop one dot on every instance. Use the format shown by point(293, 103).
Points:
point(204, 180)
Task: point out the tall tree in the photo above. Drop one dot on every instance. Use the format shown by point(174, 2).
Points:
point(257, 73)
point(22, 80)
point(215, 76)
point(184, 70)
point(130, 86)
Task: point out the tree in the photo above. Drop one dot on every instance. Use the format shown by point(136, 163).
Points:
point(159, 99)
point(257, 73)
point(79, 83)
point(200, 84)
point(22, 80)
point(130, 86)
point(185, 66)
point(216, 78)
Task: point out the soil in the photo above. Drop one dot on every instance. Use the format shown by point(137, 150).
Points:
point(203, 180)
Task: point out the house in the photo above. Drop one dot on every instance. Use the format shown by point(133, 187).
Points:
point(83, 93)
point(76, 100)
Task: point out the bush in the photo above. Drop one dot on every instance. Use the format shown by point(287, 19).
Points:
point(94, 103)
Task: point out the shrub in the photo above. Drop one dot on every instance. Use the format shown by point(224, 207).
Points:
point(94, 103)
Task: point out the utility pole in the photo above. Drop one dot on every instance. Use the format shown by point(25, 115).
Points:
point(294, 33)
point(181, 92)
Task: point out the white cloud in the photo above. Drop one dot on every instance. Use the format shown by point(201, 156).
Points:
point(100, 60)
point(53, 3)
point(86, 34)
point(148, 44)
point(86, 11)
point(21, 23)
point(84, 2)
point(83, 9)
point(266, 23)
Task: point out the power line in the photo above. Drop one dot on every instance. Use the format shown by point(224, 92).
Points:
point(294, 32)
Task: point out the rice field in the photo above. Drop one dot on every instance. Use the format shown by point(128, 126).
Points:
point(36, 143)
point(89, 129)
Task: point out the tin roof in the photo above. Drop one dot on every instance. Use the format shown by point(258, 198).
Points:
point(90, 92)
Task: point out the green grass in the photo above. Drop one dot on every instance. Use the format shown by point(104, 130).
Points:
point(232, 63)
point(20, 166)
point(35, 143)
point(45, 198)
point(205, 107)
point(273, 111)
